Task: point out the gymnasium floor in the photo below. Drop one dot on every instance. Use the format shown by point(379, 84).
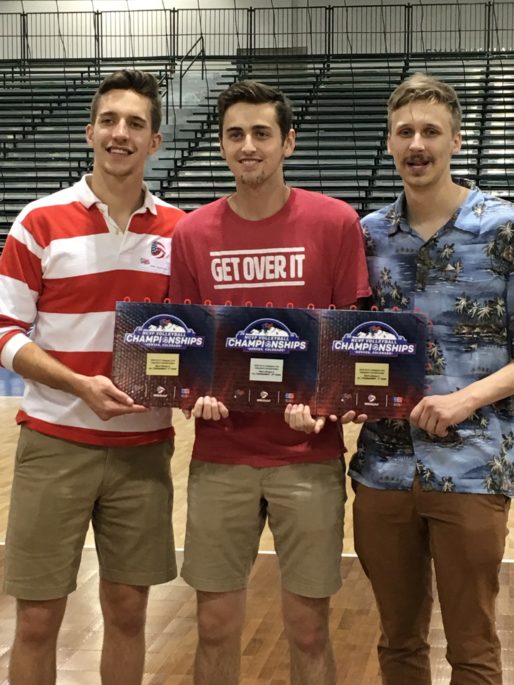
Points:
point(171, 616)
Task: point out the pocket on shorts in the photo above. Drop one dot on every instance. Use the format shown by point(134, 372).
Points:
point(23, 448)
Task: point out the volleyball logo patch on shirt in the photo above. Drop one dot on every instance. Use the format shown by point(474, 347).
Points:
point(157, 249)
point(157, 256)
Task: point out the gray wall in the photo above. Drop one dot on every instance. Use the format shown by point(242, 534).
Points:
point(117, 5)
point(365, 26)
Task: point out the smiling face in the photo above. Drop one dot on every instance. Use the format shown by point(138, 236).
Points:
point(422, 142)
point(121, 136)
point(252, 144)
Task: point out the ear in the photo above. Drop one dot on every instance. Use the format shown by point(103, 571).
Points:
point(155, 143)
point(222, 150)
point(289, 143)
point(389, 143)
point(457, 143)
point(89, 134)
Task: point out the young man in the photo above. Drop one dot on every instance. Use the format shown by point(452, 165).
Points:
point(248, 467)
point(86, 451)
point(438, 490)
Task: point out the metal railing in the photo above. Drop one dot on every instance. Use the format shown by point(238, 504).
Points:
point(190, 58)
point(321, 31)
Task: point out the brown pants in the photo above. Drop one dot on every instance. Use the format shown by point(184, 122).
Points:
point(397, 535)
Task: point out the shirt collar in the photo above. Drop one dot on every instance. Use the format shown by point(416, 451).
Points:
point(465, 218)
point(88, 198)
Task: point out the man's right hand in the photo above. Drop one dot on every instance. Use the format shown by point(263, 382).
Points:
point(98, 392)
point(105, 399)
point(207, 408)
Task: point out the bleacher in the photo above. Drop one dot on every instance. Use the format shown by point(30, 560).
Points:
point(340, 110)
point(200, 170)
point(342, 129)
point(43, 114)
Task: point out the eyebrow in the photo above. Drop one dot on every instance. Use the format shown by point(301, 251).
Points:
point(257, 127)
point(132, 117)
point(410, 124)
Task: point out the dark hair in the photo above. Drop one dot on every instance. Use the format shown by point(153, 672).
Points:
point(422, 86)
point(140, 82)
point(256, 93)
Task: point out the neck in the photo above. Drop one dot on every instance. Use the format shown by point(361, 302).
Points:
point(121, 195)
point(429, 209)
point(255, 204)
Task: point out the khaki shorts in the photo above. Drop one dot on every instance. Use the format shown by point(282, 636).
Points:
point(227, 509)
point(59, 487)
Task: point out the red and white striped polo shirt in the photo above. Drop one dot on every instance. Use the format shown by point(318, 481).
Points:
point(62, 270)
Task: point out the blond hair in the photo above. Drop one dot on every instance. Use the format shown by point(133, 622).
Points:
point(421, 86)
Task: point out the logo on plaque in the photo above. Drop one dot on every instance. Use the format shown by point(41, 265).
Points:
point(268, 336)
point(374, 338)
point(164, 332)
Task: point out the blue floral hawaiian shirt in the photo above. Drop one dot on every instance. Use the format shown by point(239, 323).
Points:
point(462, 280)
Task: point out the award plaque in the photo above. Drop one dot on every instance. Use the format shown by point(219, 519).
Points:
point(371, 361)
point(263, 358)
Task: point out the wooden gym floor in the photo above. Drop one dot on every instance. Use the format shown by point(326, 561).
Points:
point(171, 632)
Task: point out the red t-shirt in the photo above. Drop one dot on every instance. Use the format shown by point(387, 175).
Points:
point(311, 252)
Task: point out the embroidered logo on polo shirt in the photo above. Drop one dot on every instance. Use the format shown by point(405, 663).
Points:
point(157, 249)
point(156, 256)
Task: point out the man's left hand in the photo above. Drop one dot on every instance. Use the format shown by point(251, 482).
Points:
point(299, 418)
point(436, 413)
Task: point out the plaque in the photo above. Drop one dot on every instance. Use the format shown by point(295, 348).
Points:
point(263, 358)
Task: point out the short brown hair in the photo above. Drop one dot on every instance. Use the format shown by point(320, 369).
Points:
point(140, 82)
point(421, 86)
point(256, 93)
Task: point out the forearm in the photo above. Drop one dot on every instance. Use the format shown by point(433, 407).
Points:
point(35, 364)
point(436, 413)
point(490, 389)
point(98, 392)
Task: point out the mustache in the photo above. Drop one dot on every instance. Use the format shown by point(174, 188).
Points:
point(418, 159)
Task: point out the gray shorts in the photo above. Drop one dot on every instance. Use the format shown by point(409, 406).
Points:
point(227, 509)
